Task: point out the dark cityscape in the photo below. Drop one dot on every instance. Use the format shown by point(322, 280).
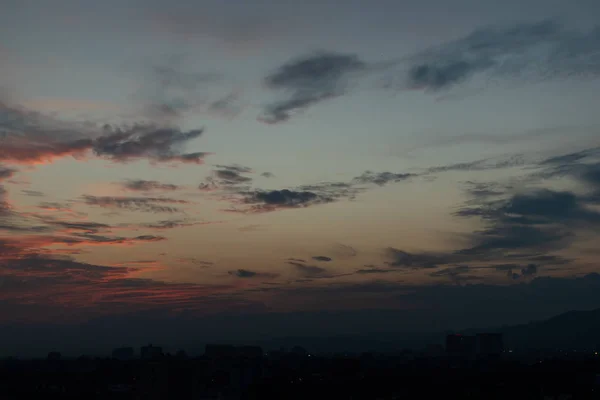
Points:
point(468, 368)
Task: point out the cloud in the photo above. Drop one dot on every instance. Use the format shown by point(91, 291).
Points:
point(141, 185)
point(67, 287)
point(6, 173)
point(146, 141)
point(33, 193)
point(375, 270)
point(404, 259)
point(146, 204)
point(169, 89)
point(529, 270)
point(481, 165)
point(536, 207)
point(33, 138)
point(89, 227)
point(530, 51)
point(381, 178)
point(230, 177)
point(267, 175)
point(309, 80)
point(535, 50)
point(322, 258)
point(264, 201)
point(244, 273)
point(176, 223)
point(307, 270)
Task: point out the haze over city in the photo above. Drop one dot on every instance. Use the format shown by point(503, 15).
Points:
point(261, 169)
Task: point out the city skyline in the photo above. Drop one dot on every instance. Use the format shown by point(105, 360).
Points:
point(257, 158)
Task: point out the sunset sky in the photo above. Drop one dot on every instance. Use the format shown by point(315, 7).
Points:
point(260, 158)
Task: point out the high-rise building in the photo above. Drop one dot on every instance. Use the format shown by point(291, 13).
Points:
point(461, 346)
point(151, 352)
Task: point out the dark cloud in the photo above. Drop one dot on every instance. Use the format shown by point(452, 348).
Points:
point(307, 270)
point(244, 273)
point(173, 223)
point(542, 206)
point(267, 175)
point(590, 174)
point(6, 173)
point(381, 178)
point(485, 190)
point(263, 201)
point(333, 190)
point(529, 270)
point(457, 274)
point(141, 185)
point(571, 158)
point(309, 80)
point(195, 261)
point(535, 50)
point(234, 168)
point(230, 177)
point(35, 138)
point(404, 259)
point(481, 165)
point(147, 204)
point(33, 193)
point(89, 227)
point(227, 177)
point(375, 270)
point(322, 258)
point(146, 141)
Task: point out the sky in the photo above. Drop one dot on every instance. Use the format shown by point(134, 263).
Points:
point(296, 167)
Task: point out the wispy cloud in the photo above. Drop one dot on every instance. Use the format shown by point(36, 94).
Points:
point(382, 178)
point(147, 204)
point(534, 51)
point(33, 138)
point(141, 185)
point(245, 273)
point(307, 81)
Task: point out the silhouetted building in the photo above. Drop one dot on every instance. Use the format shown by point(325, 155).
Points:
point(490, 344)
point(54, 356)
point(123, 353)
point(151, 352)
point(461, 346)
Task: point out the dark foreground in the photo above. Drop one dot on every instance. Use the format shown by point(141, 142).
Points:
point(293, 376)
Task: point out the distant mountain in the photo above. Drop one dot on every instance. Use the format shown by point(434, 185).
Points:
point(578, 330)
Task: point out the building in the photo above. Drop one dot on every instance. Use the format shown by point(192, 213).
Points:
point(151, 352)
point(123, 353)
point(490, 344)
point(461, 346)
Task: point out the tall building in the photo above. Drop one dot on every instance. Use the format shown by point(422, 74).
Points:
point(151, 352)
point(490, 344)
point(461, 346)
